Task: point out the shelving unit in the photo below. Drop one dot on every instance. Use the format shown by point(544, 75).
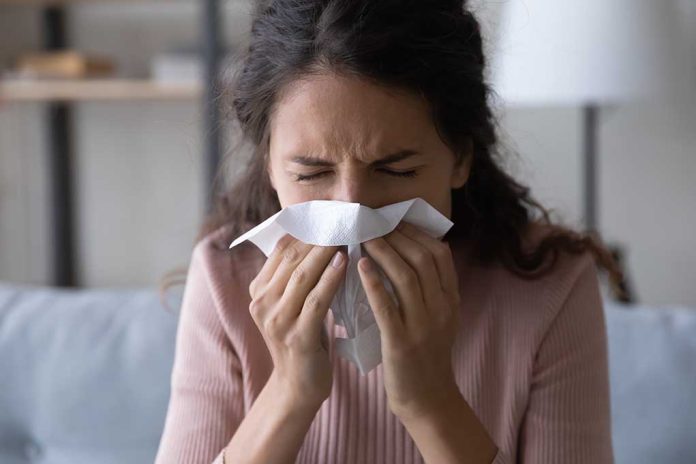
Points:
point(60, 95)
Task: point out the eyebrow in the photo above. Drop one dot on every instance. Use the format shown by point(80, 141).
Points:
point(388, 159)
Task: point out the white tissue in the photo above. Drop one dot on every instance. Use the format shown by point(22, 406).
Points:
point(336, 223)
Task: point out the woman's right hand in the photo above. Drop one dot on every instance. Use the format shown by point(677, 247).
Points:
point(289, 300)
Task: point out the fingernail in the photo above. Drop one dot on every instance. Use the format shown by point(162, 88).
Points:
point(337, 259)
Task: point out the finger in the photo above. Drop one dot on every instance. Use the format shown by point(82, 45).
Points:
point(422, 261)
point(287, 251)
point(269, 267)
point(304, 278)
point(290, 258)
point(386, 312)
point(442, 254)
point(403, 278)
point(316, 305)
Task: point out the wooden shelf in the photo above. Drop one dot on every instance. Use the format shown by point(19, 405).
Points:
point(15, 90)
point(68, 2)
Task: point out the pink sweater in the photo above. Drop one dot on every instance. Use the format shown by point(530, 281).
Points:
point(530, 359)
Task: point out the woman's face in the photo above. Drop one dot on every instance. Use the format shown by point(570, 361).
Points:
point(341, 138)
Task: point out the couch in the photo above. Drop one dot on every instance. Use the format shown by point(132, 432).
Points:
point(84, 377)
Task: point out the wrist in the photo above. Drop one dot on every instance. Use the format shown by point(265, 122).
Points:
point(456, 426)
point(290, 399)
point(434, 407)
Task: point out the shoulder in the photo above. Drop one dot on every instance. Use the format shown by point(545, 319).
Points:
point(567, 270)
point(227, 272)
point(564, 271)
point(213, 252)
point(569, 267)
point(530, 303)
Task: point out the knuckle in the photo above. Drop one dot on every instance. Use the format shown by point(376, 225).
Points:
point(392, 311)
point(294, 339)
point(313, 301)
point(273, 326)
point(258, 305)
point(421, 258)
point(255, 310)
point(290, 254)
point(408, 278)
point(388, 309)
point(298, 276)
point(283, 243)
point(442, 250)
point(252, 288)
point(264, 298)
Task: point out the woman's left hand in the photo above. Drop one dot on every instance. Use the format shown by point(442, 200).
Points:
point(417, 330)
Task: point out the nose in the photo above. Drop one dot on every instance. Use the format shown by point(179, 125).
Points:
point(356, 189)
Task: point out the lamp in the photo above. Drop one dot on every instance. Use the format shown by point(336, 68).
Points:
point(587, 53)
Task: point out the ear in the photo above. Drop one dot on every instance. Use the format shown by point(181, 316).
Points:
point(462, 169)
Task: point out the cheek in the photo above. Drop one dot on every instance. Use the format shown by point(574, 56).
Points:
point(436, 191)
point(433, 191)
point(434, 184)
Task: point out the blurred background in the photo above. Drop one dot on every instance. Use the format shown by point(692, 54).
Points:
point(138, 145)
point(137, 135)
point(111, 131)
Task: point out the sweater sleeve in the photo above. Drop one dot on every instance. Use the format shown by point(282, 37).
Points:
point(206, 402)
point(568, 417)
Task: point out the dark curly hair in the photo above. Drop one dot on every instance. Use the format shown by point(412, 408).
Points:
point(432, 48)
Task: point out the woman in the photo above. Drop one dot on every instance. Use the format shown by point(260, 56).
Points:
point(496, 349)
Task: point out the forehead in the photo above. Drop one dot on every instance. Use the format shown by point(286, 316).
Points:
point(338, 116)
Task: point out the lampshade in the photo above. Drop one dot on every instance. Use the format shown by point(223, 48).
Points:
point(588, 51)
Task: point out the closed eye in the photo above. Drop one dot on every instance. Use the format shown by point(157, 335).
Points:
point(412, 173)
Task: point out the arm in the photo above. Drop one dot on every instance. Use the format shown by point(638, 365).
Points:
point(452, 434)
point(274, 429)
point(568, 418)
point(206, 401)
point(206, 406)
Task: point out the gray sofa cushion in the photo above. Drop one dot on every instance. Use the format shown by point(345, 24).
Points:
point(652, 356)
point(84, 375)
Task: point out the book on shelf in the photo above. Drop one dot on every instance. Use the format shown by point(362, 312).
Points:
point(67, 64)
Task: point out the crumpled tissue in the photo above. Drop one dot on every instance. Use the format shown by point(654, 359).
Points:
point(338, 223)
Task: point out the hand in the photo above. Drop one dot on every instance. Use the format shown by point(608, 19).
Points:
point(418, 329)
point(290, 299)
